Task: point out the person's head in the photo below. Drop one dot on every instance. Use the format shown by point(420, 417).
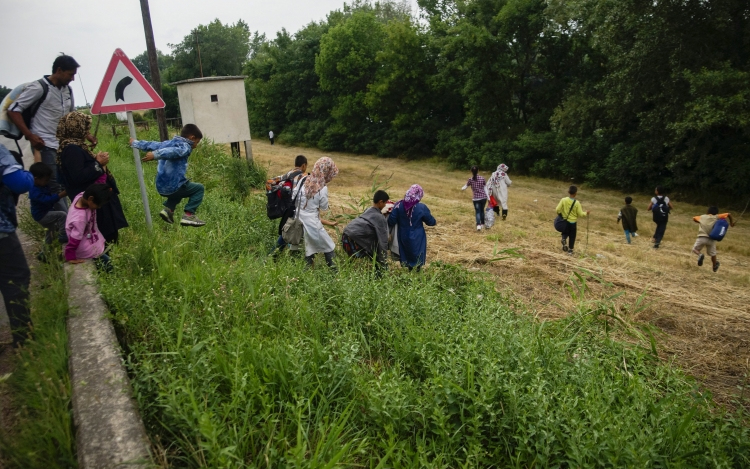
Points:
point(96, 195)
point(42, 174)
point(503, 168)
point(379, 199)
point(64, 69)
point(192, 133)
point(713, 210)
point(73, 128)
point(301, 162)
point(572, 191)
point(628, 200)
point(474, 171)
point(660, 190)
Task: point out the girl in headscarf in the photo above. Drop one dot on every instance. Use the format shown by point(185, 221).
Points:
point(80, 168)
point(498, 188)
point(311, 199)
point(410, 215)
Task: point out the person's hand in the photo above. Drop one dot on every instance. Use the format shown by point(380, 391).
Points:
point(62, 194)
point(732, 224)
point(77, 261)
point(36, 141)
point(149, 157)
point(131, 141)
point(92, 139)
point(588, 212)
point(103, 158)
point(329, 222)
point(464, 188)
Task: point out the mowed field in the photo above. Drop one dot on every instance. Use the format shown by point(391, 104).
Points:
point(704, 317)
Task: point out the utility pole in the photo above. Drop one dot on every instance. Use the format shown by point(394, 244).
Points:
point(197, 42)
point(153, 64)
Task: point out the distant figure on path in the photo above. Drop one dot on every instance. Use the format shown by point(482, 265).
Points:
point(660, 207)
point(54, 98)
point(80, 168)
point(628, 215)
point(171, 182)
point(313, 199)
point(570, 210)
point(478, 196)
point(14, 271)
point(498, 187)
point(410, 216)
point(705, 226)
point(270, 136)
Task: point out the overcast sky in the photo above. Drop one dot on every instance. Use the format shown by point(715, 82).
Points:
point(91, 30)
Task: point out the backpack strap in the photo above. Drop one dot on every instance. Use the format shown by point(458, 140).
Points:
point(35, 107)
point(571, 209)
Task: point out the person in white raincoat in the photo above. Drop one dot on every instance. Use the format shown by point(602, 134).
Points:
point(498, 187)
point(313, 198)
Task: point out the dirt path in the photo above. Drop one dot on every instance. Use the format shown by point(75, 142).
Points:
point(704, 316)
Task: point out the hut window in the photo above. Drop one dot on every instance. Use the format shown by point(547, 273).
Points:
point(214, 98)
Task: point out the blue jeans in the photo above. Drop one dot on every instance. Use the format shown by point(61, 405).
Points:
point(627, 235)
point(479, 210)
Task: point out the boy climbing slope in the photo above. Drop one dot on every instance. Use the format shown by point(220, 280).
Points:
point(171, 182)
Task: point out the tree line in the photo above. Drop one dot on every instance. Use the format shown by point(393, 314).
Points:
point(620, 93)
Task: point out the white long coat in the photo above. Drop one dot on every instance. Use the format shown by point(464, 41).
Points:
point(316, 238)
point(500, 190)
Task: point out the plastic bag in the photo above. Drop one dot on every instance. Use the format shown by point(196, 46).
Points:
point(489, 217)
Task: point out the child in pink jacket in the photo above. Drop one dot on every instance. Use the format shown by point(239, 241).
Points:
point(85, 241)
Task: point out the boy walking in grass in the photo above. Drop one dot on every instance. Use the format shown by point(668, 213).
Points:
point(171, 182)
point(367, 235)
point(705, 225)
point(628, 214)
point(44, 203)
point(570, 210)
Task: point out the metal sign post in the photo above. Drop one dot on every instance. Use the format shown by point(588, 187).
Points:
point(139, 170)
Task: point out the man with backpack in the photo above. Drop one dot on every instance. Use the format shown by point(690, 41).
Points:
point(40, 106)
point(279, 191)
point(660, 207)
point(711, 229)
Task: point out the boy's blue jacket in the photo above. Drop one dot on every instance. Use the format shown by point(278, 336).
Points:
point(42, 201)
point(173, 157)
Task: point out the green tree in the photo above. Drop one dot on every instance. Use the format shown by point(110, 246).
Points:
point(223, 51)
point(163, 61)
point(4, 92)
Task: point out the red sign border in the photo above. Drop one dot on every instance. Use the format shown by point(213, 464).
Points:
point(119, 56)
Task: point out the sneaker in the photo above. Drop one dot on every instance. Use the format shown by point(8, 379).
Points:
point(191, 220)
point(167, 215)
point(504, 216)
point(700, 259)
point(565, 245)
point(570, 253)
point(656, 246)
point(716, 266)
point(479, 227)
point(635, 234)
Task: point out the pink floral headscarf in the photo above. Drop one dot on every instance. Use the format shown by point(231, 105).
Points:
point(498, 175)
point(411, 199)
point(323, 171)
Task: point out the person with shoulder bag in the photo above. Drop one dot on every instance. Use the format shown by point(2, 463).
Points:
point(568, 211)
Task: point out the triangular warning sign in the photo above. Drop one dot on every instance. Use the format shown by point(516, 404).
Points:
point(124, 88)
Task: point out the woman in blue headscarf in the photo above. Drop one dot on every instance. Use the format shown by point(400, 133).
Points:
point(411, 215)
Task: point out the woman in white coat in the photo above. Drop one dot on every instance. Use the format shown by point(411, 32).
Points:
point(312, 199)
point(498, 187)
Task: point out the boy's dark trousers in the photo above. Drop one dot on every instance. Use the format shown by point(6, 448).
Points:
point(14, 285)
point(659, 233)
point(191, 191)
point(570, 233)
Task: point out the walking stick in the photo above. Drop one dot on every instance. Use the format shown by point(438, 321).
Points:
point(585, 250)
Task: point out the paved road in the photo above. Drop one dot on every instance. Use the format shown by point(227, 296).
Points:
point(28, 159)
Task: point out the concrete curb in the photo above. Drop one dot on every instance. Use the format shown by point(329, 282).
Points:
point(109, 429)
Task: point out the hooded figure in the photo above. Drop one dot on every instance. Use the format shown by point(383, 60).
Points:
point(498, 187)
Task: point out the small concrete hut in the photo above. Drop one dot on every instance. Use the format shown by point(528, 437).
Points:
point(217, 105)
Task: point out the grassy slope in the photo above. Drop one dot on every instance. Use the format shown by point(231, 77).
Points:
point(236, 362)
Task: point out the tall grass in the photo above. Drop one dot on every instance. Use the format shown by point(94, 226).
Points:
point(240, 363)
point(42, 435)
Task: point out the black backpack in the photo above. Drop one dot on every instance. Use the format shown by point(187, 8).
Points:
point(279, 194)
point(660, 209)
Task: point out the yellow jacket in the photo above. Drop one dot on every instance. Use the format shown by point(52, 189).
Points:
point(564, 207)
